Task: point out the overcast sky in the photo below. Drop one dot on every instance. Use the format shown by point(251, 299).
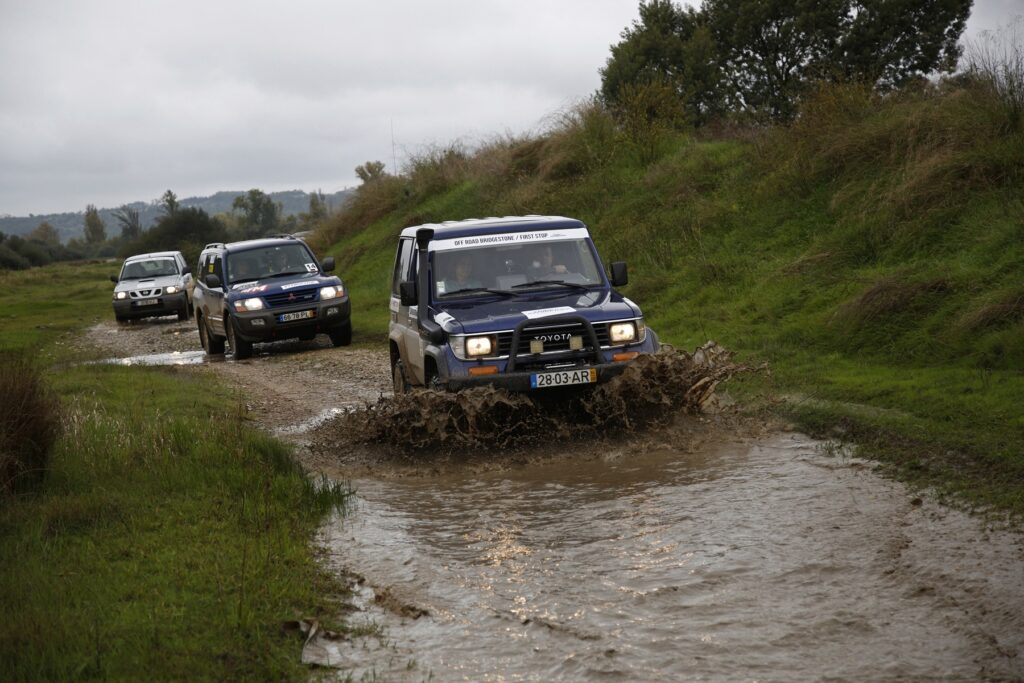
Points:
point(107, 102)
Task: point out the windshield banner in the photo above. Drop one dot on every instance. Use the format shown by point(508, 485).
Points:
point(508, 238)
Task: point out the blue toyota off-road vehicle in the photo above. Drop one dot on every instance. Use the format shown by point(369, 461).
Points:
point(517, 302)
point(264, 290)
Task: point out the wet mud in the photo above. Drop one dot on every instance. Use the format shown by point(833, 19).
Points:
point(678, 542)
point(652, 391)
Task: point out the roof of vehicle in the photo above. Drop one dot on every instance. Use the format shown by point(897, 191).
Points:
point(155, 254)
point(485, 226)
point(242, 245)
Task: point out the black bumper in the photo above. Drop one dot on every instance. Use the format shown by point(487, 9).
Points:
point(520, 381)
point(259, 326)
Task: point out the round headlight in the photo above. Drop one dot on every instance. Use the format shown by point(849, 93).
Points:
point(622, 332)
point(478, 346)
point(253, 304)
point(121, 295)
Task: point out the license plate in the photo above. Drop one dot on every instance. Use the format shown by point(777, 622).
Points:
point(562, 378)
point(298, 315)
point(147, 302)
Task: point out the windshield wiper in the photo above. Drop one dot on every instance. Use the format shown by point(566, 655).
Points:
point(573, 285)
point(467, 290)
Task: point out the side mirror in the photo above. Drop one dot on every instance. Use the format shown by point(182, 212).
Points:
point(212, 281)
point(113, 278)
point(407, 293)
point(327, 265)
point(620, 274)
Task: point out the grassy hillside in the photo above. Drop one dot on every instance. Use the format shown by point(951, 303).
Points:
point(872, 253)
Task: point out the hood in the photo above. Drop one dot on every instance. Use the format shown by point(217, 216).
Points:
point(504, 314)
point(148, 283)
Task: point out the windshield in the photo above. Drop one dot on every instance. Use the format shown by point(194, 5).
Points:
point(267, 262)
point(137, 270)
point(543, 264)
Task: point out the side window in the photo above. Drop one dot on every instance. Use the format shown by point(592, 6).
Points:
point(402, 260)
point(215, 267)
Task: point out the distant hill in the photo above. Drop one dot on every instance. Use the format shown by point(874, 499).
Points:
point(70, 224)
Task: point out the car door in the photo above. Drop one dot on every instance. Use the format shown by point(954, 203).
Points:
point(404, 324)
point(215, 295)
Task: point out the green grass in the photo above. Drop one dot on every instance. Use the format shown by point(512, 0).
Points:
point(170, 539)
point(873, 254)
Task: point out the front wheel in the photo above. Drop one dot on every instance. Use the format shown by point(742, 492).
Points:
point(240, 347)
point(183, 313)
point(341, 336)
point(212, 344)
point(399, 384)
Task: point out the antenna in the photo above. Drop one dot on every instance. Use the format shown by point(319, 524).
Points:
point(394, 162)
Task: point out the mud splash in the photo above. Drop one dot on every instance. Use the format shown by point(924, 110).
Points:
point(651, 391)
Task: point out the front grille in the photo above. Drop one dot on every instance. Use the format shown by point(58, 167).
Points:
point(555, 338)
point(299, 296)
point(144, 293)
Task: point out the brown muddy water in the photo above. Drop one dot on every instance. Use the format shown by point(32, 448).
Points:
point(763, 559)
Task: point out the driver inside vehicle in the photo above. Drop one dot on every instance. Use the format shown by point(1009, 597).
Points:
point(545, 265)
point(460, 275)
point(244, 270)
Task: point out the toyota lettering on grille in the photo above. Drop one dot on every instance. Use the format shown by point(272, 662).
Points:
point(546, 338)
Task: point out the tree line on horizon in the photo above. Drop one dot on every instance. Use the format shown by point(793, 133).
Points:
point(178, 228)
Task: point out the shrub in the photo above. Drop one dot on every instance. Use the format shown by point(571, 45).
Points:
point(28, 427)
point(581, 139)
point(12, 260)
point(437, 169)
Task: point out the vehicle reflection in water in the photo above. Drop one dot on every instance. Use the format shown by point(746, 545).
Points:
point(735, 561)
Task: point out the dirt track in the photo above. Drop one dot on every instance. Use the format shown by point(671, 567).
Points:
point(708, 550)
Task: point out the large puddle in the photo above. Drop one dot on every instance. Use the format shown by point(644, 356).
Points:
point(746, 560)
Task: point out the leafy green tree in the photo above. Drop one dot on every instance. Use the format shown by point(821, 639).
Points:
point(186, 230)
point(95, 230)
point(671, 47)
point(891, 42)
point(128, 218)
point(169, 202)
point(767, 48)
point(770, 50)
point(370, 171)
point(758, 57)
point(260, 215)
point(45, 233)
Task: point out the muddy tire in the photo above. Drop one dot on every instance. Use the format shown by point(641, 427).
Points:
point(341, 336)
point(183, 313)
point(121, 320)
point(241, 348)
point(435, 383)
point(400, 385)
point(212, 344)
